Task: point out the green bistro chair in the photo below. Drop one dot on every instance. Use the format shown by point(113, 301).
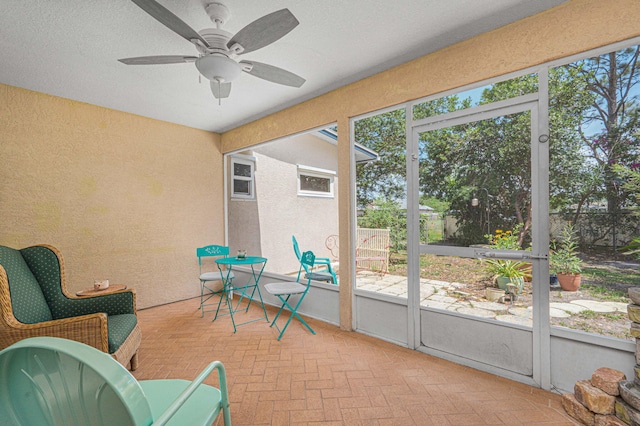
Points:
point(212, 283)
point(54, 381)
point(284, 291)
point(328, 276)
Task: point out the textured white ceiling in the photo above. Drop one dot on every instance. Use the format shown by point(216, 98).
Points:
point(69, 48)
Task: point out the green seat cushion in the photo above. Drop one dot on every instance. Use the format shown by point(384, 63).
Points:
point(27, 299)
point(120, 326)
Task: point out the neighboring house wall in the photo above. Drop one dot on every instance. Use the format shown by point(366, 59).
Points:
point(264, 226)
point(124, 198)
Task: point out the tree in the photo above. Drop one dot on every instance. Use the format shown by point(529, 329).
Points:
point(612, 79)
point(490, 159)
point(609, 134)
point(385, 178)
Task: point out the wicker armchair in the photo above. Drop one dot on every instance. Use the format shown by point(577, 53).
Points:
point(34, 301)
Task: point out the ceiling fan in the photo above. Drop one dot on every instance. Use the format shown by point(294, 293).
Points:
point(220, 49)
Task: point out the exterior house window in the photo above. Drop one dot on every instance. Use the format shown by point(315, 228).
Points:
point(243, 177)
point(314, 182)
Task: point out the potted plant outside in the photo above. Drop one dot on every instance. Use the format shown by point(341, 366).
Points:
point(564, 260)
point(506, 271)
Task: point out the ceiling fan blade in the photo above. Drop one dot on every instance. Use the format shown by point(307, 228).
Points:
point(264, 31)
point(273, 74)
point(157, 60)
point(220, 90)
point(171, 21)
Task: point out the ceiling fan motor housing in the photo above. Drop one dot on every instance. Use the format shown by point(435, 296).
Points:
point(218, 12)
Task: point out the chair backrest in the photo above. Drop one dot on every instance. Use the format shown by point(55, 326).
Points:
point(27, 299)
point(48, 380)
point(211, 251)
point(296, 248)
point(331, 243)
point(307, 260)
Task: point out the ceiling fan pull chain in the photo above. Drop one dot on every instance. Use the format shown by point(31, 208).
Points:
point(219, 91)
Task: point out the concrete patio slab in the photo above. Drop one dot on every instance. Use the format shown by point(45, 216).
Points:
point(594, 306)
point(490, 306)
point(558, 313)
point(521, 312)
point(572, 308)
point(483, 313)
point(620, 307)
point(513, 319)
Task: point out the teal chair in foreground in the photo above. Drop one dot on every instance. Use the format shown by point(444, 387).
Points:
point(211, 283)
point(328, 276)
point(54, 381)
point(284, 291)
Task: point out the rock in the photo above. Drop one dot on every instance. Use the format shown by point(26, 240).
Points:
point(630, 394)
point(577, 410)
point(634, 295)
point(636, 375)
point(609, 420)
point(634, 312)
point(627, 413)
point(635, 329)
point(607, 380)
point(594, 399)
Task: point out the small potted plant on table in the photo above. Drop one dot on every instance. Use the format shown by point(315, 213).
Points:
point(564, 260)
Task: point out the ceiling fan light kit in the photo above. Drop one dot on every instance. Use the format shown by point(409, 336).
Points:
point(220, 49)
point(218, 68)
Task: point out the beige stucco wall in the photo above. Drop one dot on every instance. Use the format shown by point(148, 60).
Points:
point(573, 27)
point(124, 198)
point(265, 226)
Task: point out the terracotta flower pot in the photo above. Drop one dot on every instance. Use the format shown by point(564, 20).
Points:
point(569, 282)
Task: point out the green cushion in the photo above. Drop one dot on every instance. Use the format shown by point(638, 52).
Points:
point(29, 304)
point(120, 326)
point(45, 267)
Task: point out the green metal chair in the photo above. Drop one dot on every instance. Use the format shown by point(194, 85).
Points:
point(284, 290)
point(211, 283)
point(54, 381)
point(328, 276)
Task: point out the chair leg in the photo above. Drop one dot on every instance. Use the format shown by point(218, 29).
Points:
point(333, 275)
point(294, 313)
point(134, 362)
point(201, 299)
point(224, 297)
point(228, 300)
point(279, 310)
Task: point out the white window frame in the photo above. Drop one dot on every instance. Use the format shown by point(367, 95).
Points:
point(246, 160)
point(319, 173)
